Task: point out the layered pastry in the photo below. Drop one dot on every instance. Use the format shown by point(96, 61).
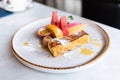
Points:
point(61, 45)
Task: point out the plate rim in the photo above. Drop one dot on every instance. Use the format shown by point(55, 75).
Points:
point(97, 57)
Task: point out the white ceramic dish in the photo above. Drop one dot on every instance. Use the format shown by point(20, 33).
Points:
point(40, 59)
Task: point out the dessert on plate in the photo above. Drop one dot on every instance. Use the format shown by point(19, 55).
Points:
point(61, 36)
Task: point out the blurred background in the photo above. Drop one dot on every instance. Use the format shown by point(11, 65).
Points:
point(72, 6)
point(104, 11)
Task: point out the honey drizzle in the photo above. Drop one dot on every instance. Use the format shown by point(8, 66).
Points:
point(31, 45)
point(86, 51)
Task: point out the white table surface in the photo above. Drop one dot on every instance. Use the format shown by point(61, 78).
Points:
point(108, 68)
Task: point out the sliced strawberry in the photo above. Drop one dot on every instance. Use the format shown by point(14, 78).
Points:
point(54, 20)
point(62, 25)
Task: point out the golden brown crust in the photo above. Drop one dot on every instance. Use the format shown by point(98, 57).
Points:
point(74, 40)
point(69, 38)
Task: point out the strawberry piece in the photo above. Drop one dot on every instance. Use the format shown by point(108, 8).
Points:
point(54, 20)
point(62, 25)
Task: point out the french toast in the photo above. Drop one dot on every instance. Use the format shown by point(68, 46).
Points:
point(61, 35)
point(58, 46)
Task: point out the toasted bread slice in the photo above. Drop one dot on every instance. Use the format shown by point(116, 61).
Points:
point(61, 45)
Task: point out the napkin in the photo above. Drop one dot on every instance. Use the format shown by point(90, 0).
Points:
point(4, 13)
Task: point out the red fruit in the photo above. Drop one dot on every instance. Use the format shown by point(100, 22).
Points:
point(62, 22)
point(62, 25)
point(65, 31)
point(54, 20)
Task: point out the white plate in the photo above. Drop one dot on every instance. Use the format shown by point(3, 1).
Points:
point(42, 60)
